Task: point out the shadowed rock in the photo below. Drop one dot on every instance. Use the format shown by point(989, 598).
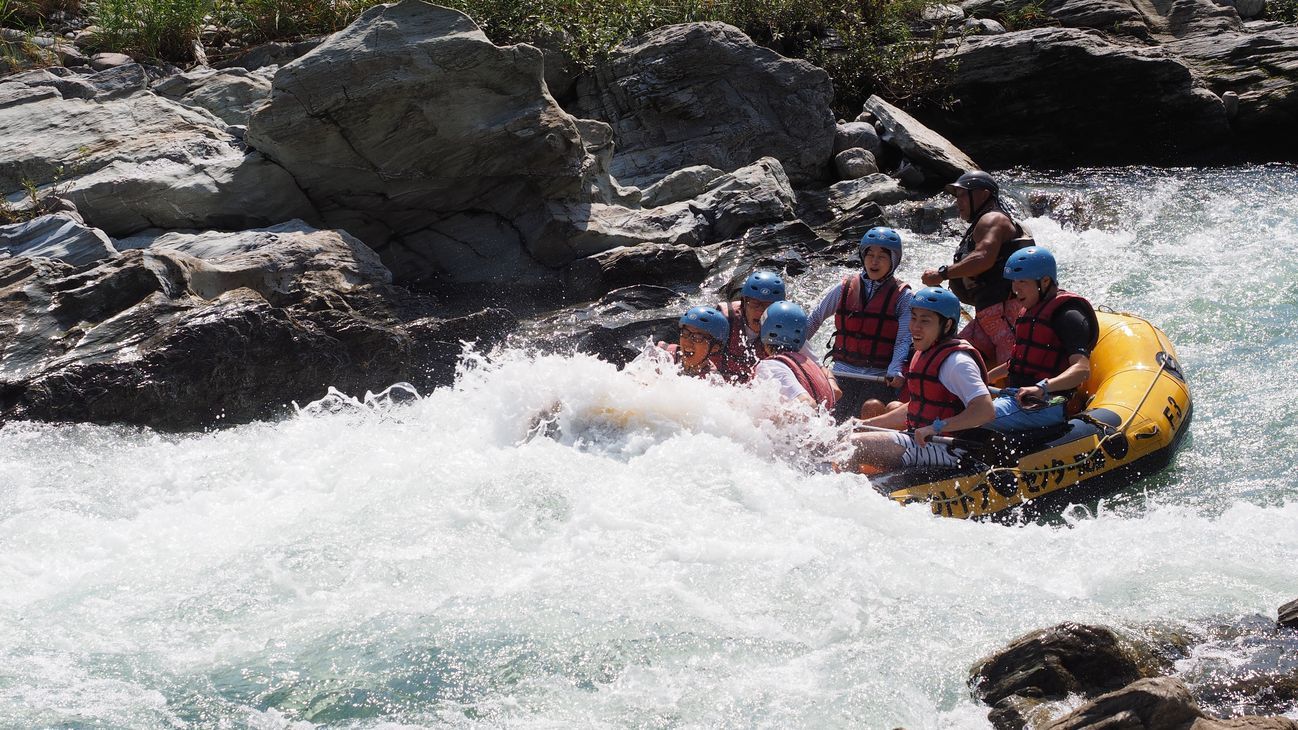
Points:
point(704, 94)
point(198, 328)
point(1067, 96)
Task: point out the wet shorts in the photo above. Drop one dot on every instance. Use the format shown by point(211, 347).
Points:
point(934, 455)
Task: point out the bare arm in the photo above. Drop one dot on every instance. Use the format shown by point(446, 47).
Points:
point(1078, 370)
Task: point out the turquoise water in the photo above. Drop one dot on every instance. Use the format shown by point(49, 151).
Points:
point(663, 557)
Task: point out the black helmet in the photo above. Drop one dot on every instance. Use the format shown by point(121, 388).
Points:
point(974, 180)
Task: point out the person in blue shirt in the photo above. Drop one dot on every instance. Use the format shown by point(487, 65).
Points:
point(871, 327)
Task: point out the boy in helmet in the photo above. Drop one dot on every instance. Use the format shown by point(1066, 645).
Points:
point(798, 374)
point(1053, 339)
point(948, 391)
point(744, 347)
point(701, 342)
point(871, 327)
point(975, 270)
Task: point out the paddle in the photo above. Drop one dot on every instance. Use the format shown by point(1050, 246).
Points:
point(944, 440)
point(994, 391)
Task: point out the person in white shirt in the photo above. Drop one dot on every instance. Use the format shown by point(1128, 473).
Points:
point(796, 372)
point(947, 382)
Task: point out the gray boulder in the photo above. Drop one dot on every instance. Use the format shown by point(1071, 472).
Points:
point(941, 161)
point(140, 161)
point(230, 94)
point(653, 263)
point(1249, 9)
point(703, 93)
point(1160, 703)
point(943, 14)
point(983, 26)
point(103, 61)
point(682, 184)
point(122, 80)
point(856, 134)
point(208, 326)
point(1066, 96)
point(416, 132)
point(854, 163)
point(59, 236)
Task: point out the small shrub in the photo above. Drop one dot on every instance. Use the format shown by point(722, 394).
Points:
point(1025, 15)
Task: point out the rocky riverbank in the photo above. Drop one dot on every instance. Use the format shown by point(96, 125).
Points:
point(339, 207)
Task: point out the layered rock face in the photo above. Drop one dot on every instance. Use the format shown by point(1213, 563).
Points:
point(448, 155)
point(1126, 81)
point(1066, 96)
point(703, 93)
point(194, 328)
point(136, 161)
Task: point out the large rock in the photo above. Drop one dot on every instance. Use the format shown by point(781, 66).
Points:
point(654, 263)
point(703, 93)
point(1065, 96)
point(1059, 661)
point(139, 161)
point(1160, 703)
point(60, 236)
point(445, 153)
point(1261, 68)
point(230, 94)
point(200, 327)
point(1289, 615)
point(414, 131)
point(941, 161)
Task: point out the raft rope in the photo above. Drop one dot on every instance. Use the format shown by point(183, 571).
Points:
point(1078, 464)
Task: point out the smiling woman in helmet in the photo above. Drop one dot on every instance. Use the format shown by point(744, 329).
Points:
point(871, 326)
point(1053, 340)
point(701, 341)
point(946, 380)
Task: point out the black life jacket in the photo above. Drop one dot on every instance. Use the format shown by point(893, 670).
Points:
point(990, 287)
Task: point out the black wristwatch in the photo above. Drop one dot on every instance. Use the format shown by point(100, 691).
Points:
point(941, 271)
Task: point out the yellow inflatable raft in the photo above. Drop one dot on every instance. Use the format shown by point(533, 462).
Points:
point(1130, 417)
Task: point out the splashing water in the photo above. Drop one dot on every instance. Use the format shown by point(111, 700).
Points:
point(552, 542)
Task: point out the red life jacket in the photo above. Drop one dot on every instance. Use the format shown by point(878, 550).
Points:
point(810, 376)
point(866, 331)
point(737, 360)
point(1038, 352)
point(929, 399)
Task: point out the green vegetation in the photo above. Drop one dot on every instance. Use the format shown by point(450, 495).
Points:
point(866, 45)
point(1285, 11)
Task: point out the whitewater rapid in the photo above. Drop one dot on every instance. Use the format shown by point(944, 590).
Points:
point(554, 543)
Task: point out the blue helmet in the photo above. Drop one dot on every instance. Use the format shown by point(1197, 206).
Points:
point(939, 300)
point(784, 326)
point(885, 238)
point(1032, 263)
point(709, 320)
point(764, 286)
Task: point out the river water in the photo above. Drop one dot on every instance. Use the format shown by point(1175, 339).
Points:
point(661, 554)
